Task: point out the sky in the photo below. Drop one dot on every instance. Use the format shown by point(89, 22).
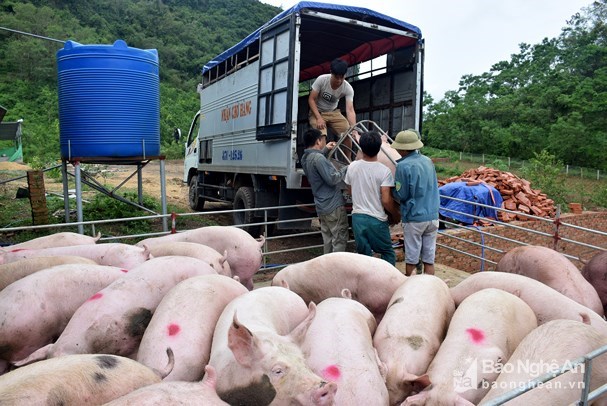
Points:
point(469, 36)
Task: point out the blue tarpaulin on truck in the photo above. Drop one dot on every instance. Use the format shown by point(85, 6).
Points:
point(348, 12)
point(482, 193)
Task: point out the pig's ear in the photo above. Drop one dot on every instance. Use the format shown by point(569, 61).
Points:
point(419, 383)
point(39, 354)
point(242, 343)
point(383, 369)
point(210, 377)
point(299, 333)
point(418, 399)
point(346, 293)
point(146, 252)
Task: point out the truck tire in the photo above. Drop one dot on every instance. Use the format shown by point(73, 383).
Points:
point(245, 199)
point(196, 201)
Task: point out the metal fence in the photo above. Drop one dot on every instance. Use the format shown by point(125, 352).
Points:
point(557, 222)
point(513, 163)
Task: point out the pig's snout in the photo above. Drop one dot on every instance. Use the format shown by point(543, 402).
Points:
point(324, 395)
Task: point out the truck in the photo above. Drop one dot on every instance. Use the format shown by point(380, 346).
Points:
point(244, 144)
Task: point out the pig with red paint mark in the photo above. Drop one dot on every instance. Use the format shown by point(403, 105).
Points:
point(244, 252)
point(372, 281)
point(486, 328)
point(185, 321)
point(175, 393)
point(256, 351)
point(113, 320)
point(35, 309)
point(548, 348)
point(547, 303)
point(595, 272)
point(14, 271)
point(81, 379)
point(63, 239)
point(112, 254)
point(552, 269)
point(339, 347)
point(411, 331)
point(189, 249)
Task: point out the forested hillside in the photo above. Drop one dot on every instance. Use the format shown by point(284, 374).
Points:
point(550, 96)
point(186, 33)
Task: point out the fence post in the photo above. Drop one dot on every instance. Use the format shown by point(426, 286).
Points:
point(557, 223)
point(508, 162)
point(598, 175)
point(567, 169)
point(460, 156)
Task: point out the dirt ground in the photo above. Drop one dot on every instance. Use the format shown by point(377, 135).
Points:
point(177, 195)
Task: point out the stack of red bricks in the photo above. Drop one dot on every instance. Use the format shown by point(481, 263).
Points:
point(517, 193)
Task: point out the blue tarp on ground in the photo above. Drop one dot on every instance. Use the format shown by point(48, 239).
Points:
point(483, 193)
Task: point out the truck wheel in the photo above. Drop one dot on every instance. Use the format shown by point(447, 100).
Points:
point(245, 199)
point(196, 201)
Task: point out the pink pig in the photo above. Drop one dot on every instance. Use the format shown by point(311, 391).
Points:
point(63, 239)
point(256, 354)
point(372, 281)
point(485, 329)
point(189, 249)
point(553, 269)
point(411, 331)
point(14, 271)
point(243, 251)
point(175, 393)
point(547, 303)
point(112, 321)
point(35, 309)
point(184, 321)
point(547, 348)
point(81, 379)
point(112, 254)
point(339, 347)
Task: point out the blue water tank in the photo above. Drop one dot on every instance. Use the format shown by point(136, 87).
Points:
point(109, 101)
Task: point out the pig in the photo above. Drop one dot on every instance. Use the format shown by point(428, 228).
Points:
point(553, 269)
point(63, 239)
point(338, 346)
point(76, 380)
point(175, 393)
point(372, 281)
point(14, 271)
point(547, 303)
point(112, 254)
point(243, 251)
point(595, 272)
point(485, 330)
point(410, 333)
point(256, 352)
point(185, 321)
point(35, 309)
point(112, 321)
point(547, 348)
point(387, 155)
point(189, 249)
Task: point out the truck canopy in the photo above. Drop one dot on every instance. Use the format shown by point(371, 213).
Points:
point(352, 44)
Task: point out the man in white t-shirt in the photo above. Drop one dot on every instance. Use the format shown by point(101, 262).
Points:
point(370, 184)
point(326, 92)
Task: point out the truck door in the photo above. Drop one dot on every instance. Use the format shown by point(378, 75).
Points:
point(276, 71)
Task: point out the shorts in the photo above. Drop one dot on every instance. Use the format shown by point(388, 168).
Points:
point(420, 241)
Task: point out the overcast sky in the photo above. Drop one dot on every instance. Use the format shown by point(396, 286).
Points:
point(469, 36)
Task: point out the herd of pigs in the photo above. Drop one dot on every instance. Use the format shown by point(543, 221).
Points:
point(175, 320)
